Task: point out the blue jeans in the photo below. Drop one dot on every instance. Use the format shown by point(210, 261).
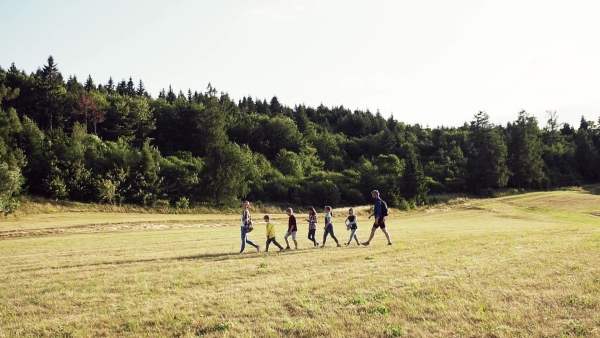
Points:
point(329, 230)
point(353, 235)
point(246, 240)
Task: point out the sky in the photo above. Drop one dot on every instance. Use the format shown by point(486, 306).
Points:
point(431, 62)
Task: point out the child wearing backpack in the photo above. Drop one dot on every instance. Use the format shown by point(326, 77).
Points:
point(380, 212)
point(351, 225)
point(329, 227)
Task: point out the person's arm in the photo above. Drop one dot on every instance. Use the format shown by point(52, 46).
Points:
point(347, 221)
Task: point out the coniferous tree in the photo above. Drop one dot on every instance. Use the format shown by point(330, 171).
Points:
point(586, 154)
point(141, 90)
point(89, 84)
point(414, 183)
point(170, 95)
point(525, 152)
point(110, 86)
point(130, 87)
point(487, 156)
point(50, 84)
point(122, 88)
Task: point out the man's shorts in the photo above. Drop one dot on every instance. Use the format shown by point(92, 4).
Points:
point(288, 234)
point(379, 223)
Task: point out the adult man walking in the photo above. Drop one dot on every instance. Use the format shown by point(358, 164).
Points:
point(379, 214)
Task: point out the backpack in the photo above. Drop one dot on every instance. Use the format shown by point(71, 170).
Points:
point(384, 209)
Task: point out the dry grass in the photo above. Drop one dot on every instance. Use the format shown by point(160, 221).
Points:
point(524, 265)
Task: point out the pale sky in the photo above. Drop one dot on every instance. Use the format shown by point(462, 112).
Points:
point(429, 62)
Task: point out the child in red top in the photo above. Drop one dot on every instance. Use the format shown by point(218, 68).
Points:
point(292, 229)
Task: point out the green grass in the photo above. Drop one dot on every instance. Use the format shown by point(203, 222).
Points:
point(523, 265)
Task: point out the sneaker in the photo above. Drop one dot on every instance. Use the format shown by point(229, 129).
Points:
point(287, 248)
point(347, 244)
point(389, 243)
point(258, 248)
point(365, 243)
point(339, 245)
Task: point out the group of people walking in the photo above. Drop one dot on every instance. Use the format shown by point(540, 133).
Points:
point(351, 224)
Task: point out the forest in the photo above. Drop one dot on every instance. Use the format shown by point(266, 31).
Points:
point(114, 143)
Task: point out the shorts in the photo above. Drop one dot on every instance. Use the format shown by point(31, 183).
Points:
point(288, 234)
point(379, 223)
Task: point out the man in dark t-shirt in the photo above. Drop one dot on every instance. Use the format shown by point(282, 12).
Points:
point(379, 219)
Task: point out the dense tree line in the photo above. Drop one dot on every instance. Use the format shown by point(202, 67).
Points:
point(115, 143)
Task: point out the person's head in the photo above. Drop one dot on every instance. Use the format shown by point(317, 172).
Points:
point(266, 218)
point(312, 211)
point(246, 204)
point(351, 211)
point(375, 193)
point(328, 210)
point(289, 211)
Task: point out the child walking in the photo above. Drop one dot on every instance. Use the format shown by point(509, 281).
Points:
point(329, 227)
point(312, 225)
point(292, 229)
point(271, 234)
point(351, 225)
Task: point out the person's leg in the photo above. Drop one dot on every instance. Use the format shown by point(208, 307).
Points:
point(277, 244)
point(333, 236)
point(243, 239)
point(252, 243)
point(352, 235)
point(387, 234)
point(311, 236)
point(294, 239)
point(356, 237)
point(325, 235)
point(287, 243)
point(267, 245)
point(371, 236)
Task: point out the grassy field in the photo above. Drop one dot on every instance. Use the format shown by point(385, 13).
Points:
point(525, 265)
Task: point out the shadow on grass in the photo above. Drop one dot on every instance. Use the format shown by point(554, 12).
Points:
point(593, 189)
point(222, 256)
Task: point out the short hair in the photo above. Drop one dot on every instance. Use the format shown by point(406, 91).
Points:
point(266, 217)
point(375, 192)
point(290, 210)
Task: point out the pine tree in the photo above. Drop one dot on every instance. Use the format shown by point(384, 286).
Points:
point(414, 183)
point(110, 86)
point(171, 95)
point(50, 83)
point(141, 90)
point(130, 87)
point(487, 156)
point(525, 152)
point(89, 84)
